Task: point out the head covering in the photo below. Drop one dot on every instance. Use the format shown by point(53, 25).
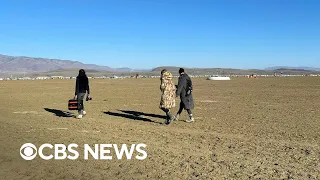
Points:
point(167, 75)
point(181, 70)
point(163, 70)
point(82, 73)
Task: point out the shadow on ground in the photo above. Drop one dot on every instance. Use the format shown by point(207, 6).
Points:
point(134, 115)
point(59, 113)
point(137, 113)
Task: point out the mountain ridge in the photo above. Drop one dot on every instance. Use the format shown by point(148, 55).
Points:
point(291, 67)
point(23, 65)
point(15, 64)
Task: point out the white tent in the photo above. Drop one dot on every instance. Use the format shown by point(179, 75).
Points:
point(218, 78)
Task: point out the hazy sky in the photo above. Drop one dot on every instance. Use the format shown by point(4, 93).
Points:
point(151, 33)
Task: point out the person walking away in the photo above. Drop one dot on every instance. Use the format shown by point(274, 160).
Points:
point(168, 96)
point(184, 90)
point(82, 87)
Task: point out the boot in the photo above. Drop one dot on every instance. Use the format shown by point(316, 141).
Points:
point(170, 118)
point(177, 117)
point(191, 119)
point(79, 116)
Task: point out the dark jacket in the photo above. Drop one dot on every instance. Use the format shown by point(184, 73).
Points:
point(186, 99)
point(82, 85)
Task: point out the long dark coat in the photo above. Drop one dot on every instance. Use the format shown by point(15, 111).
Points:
point(187, 100)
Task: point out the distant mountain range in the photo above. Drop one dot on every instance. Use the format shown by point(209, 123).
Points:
point(21, 65)
point(297, 68)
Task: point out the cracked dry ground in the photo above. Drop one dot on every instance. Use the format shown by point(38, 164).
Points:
point(267, 128)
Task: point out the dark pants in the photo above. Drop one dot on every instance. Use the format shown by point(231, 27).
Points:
point(80, 98)
point(182, 107)
point(167, 111)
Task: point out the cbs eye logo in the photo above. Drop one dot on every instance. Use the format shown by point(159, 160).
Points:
point(28, 151)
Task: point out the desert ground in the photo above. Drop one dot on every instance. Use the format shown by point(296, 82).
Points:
point(264, 128)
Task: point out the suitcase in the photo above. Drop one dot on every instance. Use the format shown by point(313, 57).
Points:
point(73, 104)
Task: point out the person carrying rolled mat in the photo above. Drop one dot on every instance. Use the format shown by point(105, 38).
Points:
point(82, 87)
point(168, 95)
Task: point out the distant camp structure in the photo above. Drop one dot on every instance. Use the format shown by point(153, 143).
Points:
point(57, 77)
point(252, 76)
point(218, 78)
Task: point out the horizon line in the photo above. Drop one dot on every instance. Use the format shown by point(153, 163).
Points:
point(173, 66)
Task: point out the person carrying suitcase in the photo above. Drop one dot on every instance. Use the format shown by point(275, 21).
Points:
point(82, 87)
